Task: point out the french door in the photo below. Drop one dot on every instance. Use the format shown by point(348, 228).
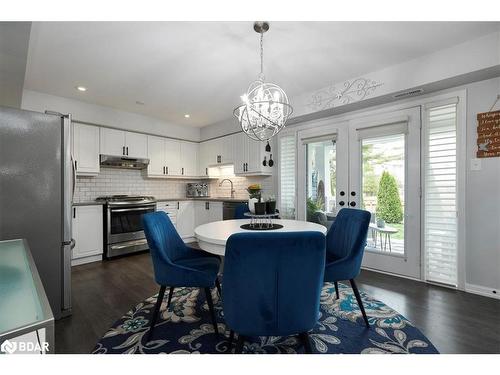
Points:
point(371, 163)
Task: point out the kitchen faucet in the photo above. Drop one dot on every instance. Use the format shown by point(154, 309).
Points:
point(232, 189)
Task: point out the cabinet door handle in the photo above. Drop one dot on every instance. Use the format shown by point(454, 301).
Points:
point(127, 150)
point(166, 170)
point(123, 150)
point(183, 171)
point(163, 169)
point(341, 203)
point(178, 204)
point(74, 212)
point(76, 165)
point(352, 204)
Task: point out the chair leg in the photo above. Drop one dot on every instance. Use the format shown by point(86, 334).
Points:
point(230, 341)
point(239, 344)
point(360, 302)
point(304, 338)
point(210, 303)
point(337, 289)
point(156, 310)
point(219, 289)
point(170, 296)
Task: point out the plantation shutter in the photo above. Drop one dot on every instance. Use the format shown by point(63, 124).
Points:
point(440, 194)
point(287, 152)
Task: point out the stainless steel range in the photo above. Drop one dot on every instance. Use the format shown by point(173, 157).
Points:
point(123, 228)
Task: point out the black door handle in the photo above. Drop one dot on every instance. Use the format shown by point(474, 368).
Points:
point(127, 150)
point(342, 193)
point(352, 204)
point(353, 193)
point(341, 203)
point(123, 150)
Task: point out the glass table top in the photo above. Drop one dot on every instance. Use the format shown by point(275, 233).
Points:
point(20, 303)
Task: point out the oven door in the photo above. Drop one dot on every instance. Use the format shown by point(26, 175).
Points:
point(125, 223)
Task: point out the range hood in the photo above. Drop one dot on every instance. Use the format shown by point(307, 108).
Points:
point(123, 162)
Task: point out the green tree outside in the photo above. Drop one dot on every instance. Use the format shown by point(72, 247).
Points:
point(389, 207)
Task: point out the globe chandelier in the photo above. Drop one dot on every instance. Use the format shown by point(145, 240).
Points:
point(265, 108)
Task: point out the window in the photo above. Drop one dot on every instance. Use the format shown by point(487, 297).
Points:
point(440, 194)
point(287, 176)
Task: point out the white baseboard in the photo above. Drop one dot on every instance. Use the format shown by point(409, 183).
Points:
point(90, 259)
point(391, 274)
point(482, 290)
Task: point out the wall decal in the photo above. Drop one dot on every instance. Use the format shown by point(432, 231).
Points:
point(488, 134)
point(351, 92)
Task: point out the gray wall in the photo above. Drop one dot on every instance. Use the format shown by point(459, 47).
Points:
point(482, 196)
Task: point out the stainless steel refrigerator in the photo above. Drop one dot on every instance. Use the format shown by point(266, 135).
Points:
point(36, 193)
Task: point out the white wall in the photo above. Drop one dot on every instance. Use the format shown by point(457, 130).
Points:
point(483, 197)
point(82, 111)
point(466, 62)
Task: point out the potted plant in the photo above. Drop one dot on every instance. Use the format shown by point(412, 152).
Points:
point(254, 192)
point(271, 205)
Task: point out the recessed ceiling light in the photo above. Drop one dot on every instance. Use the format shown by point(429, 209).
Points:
point(81, 88)
point(187, 115)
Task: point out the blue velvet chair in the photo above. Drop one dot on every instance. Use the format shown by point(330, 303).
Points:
point(240, 210)
point(178, 265)
point(345, 244)
point(272, 284)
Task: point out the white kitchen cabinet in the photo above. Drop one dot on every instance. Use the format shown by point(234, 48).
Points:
point(86, 149)
point(171, 208)
point(223, 148)
point(207, 212)
point(182, 216)
point(87, 231)
point(136, 145)
point(122, 143)
point(203, 158)
point(185, 219)
point(240, 150)
point(189, 159)
point(173, 157)
point(112, 142)
point(249, 155)
point(156, 156)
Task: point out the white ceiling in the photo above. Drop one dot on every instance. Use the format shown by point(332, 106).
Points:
point(202, 68)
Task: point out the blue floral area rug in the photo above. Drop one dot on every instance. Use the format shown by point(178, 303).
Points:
point(186, 328)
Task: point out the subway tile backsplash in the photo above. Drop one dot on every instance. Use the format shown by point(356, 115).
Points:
point(134, 182)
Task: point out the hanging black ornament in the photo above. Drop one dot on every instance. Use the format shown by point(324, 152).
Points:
point(268, 147)
point(271, 161)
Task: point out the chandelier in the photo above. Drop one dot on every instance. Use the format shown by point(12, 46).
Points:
point(265, 108)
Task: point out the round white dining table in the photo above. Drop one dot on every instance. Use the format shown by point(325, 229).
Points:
point(212, 237)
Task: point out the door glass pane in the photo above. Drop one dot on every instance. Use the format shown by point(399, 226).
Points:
point(383, 191)
point(321, 182)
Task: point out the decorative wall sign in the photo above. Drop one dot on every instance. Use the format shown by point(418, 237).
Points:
point(351, 91)
point(488, 134)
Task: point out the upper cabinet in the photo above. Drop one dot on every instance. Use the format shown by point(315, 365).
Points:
point(136, 145)
point(189, 159)
point(249, 156)
point(172, 158)
point(123, 143)
point(86, 149)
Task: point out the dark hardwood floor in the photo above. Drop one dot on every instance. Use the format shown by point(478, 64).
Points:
point(456, 322)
